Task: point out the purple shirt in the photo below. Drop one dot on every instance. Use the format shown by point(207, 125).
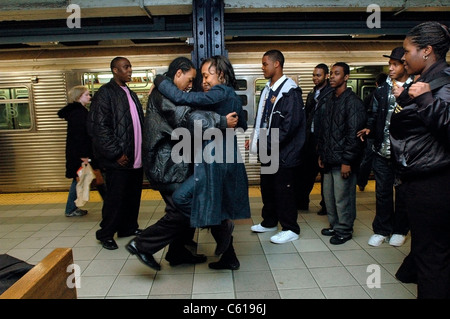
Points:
point(136, 128)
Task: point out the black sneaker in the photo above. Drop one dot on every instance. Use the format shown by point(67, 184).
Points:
point(338, 240)
point(327, 232)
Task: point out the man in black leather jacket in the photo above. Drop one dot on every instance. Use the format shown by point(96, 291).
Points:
point(340, 154)
point(114, 123)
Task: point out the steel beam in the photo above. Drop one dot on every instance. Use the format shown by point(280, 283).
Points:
point(208, 35)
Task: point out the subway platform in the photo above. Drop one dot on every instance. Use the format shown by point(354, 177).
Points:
point(33, 224)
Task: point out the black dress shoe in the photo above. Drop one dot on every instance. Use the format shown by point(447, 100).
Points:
point(338, 240)
point(191, 243)
point(222, 264)
point(327, 232)
point(146, 259)
point(185, 258)
point(322, 212)
point(109, 244)
point(133, 233)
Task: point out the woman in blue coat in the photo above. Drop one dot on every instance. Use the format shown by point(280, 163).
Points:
point(217, 192)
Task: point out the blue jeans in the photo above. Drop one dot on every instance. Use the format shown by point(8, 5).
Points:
point(391, 216)
point(184, 195)
point(340, 200)
point(70, 206)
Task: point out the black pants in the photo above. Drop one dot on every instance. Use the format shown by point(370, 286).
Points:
point(173, 228)
point(278, 196)
point(391, 215)
point(121, 206)
point(429, 215)
point(306, 175)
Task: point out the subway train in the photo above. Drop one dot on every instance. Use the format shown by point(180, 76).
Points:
point(34, 85)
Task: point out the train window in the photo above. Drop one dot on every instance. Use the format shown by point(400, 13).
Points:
point(242, 85)
point(259, 85)
point(15, 113)
point(141, 82)
point(243, 99)
point(366, 90)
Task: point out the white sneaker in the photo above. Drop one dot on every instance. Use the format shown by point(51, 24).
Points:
point(284, 236)
point(261, 229)
point(376, 240)
point(397, 240)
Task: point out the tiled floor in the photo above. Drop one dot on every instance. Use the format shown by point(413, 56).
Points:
point(32, 225)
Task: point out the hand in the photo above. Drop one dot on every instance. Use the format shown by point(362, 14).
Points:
point(418, 88)
point(247, 144)
point(346, 170)
point(397, 90)
point(232, 120)
point(123, 160)
point(151, 89)
point(85, 160)
point(361, 134)
point(321, 163)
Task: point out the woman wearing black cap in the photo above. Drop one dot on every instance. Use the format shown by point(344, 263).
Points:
point(420, 137)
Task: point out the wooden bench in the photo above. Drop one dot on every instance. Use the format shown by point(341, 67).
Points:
point(46, 280)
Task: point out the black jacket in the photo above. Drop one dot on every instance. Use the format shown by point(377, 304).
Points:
point(288, 116)
point(111, 126)
point(311, 107)
point(377, 114)
point(420, 129)
point(341, 117)
point(161, 118)
point(78, 141)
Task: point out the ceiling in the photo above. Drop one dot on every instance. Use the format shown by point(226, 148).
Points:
point(41, 23)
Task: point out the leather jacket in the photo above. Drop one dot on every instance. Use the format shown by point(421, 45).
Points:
point(161, 118)
point(110, 125)
point(341, 117)
point(378, 113)
point(420, 128)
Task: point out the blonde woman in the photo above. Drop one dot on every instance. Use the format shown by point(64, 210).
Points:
point(78, 144)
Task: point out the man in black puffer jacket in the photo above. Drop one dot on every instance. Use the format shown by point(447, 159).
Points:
point(114, 123)
point(340, 154)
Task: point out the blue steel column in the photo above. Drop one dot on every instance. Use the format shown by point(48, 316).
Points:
point(208, 30)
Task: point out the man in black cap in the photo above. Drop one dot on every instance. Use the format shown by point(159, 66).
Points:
point(387, 223)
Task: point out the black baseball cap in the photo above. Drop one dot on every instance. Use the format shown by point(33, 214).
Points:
point(396, 54)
